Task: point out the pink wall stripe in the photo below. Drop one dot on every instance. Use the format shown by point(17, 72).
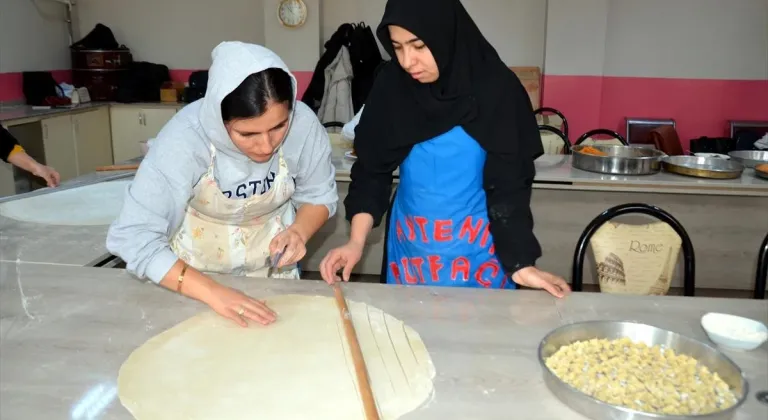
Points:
point(11, 84)
point(700, 107)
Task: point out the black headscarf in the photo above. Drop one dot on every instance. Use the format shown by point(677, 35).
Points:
point(475, 90)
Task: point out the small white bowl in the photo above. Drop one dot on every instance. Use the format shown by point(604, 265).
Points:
point(734, 332)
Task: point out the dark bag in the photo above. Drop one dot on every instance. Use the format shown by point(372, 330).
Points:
point(721, 145)
point(142, 82)
point(198, 84)
point(39, 86)
point(100, 38)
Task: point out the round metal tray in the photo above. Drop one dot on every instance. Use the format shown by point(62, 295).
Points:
point(761, 174)
point(620, 160)
point(595, 409)
point(703, 167)
point(749, 158)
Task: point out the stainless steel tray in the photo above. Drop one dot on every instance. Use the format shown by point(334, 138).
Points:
point(595, 409)
point(749, 158)
point(621, 160)
point(761, 174)
point(703, 167)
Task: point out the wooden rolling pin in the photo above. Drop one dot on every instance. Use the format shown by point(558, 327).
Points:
point(363, 384)
point(128, 167)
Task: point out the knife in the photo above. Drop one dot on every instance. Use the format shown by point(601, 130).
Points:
point(276, 259)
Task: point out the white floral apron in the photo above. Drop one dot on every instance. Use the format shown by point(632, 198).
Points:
point(232, 236)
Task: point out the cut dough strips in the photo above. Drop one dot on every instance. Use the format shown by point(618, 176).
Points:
point(298, 368)
point(97, 204)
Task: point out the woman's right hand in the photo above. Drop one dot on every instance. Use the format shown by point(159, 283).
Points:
point(345, 256)
point(237, 306)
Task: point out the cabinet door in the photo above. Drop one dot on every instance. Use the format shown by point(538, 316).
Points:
point(155, 119)
point(7, 182)
point(127, 132)
point(93, 139)
point(59, 146)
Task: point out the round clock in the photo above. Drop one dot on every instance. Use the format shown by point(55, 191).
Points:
point(292, 13)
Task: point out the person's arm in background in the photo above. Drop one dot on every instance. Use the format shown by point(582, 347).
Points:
point(12, 152)
point(316, 196)
point(508, 182)
point(153, 209)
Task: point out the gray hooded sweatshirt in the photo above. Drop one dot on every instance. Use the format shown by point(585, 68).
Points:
point(156, 200)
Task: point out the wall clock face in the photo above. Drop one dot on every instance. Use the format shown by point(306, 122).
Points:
point(292, 13)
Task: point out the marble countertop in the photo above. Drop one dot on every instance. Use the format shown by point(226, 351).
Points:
point(10, 114)
point(67, 330)
point(56, 244)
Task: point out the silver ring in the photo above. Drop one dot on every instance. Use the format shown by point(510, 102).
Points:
point(241, 311)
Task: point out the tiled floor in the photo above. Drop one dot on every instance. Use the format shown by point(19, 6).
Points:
point(676, 291)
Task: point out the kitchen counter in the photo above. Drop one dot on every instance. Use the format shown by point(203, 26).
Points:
point(67, 330)
point(11, 115)
point(556, 172)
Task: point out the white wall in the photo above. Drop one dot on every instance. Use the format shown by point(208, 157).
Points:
point(33, 36)
point(178, 33)
point(514, 27)
point(296, 46)
point(695, 39)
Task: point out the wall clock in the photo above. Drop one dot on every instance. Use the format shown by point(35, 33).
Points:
point(292, 13)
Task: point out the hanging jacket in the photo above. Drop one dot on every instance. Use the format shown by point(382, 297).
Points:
point(364, 55)
point(313, 96)
point(336, 105)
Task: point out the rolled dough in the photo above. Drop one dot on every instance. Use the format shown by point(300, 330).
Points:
point(298, 368)
point(97, 204)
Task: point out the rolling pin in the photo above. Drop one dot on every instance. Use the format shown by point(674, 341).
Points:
point(128, 167)
point(363, 384)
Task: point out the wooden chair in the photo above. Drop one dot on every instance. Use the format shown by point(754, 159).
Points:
point(615, 138)
point(635, 259)
point(555, 142)
point(552, 118)
point(762, 269)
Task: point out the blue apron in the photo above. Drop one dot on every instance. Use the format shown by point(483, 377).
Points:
point(438, 229)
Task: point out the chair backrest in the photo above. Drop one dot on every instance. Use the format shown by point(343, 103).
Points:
point(554, 141)
point(762, 269)
point(637, 259)
point(589, 138)
point(552, 118)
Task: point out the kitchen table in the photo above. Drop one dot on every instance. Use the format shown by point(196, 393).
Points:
point(66, 331)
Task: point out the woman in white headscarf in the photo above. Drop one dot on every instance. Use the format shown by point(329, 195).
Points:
point(235, 183)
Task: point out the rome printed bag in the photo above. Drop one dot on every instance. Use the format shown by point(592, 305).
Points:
point(635, 259)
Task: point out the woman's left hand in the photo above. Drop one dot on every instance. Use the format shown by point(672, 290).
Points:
point(537, 279)
point(293, 244)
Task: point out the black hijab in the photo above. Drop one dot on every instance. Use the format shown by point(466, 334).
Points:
point(475, 89)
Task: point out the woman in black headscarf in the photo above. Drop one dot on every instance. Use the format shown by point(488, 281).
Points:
point(459, 125)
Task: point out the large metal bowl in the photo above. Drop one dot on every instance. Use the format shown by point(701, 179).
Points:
point(749, 158)
point(620, 160)
point(703, 167)
point(598, 410)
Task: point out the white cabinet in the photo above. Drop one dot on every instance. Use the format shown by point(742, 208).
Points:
point(132, 125)
point(76, 144)
point(92, 140)
point(59, 146)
